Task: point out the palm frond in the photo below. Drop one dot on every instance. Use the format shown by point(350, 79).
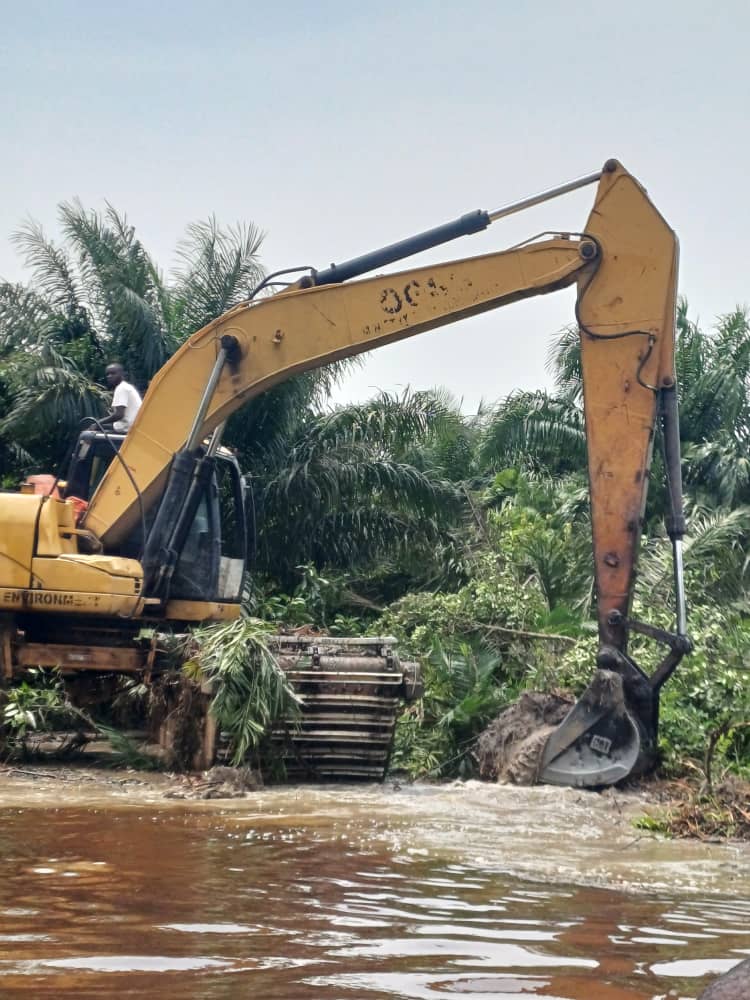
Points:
point(141, 331)
point(714, 553)
point(51, 269)
point(564, 362)
point(389, 421)
point(220, 268)
point(251, 690)
point(25, 318)
point(535, 429)
point(47, 393)
point(721, 465)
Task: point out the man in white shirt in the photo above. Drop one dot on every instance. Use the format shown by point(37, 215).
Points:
point(125, 401)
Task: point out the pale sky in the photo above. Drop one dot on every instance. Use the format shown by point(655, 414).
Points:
point(338, 127)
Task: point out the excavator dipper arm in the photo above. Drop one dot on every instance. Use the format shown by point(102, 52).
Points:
point(625, 266)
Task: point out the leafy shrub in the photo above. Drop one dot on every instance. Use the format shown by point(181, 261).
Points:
point(38, 707)
point(436, 735)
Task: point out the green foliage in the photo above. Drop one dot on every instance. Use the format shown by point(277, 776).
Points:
point(251, 692)
point(219, 268)
point(34, 706)
point(529, 573)
point(347, 625)
point(125, 752)
point(447, 442)
point(551, 549)
point(493, 598)
point(710, 690)
point(39, 706)
point(537, 430)
point(463, 691)
point(340, 496)
point(316, 601)
point(315, 592)
point(652, 824)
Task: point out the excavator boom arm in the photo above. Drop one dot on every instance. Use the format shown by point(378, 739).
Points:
point(626, 317)
point(625, 264)
point(296, 331)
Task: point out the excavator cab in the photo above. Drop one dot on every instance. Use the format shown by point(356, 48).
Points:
point(213, 554)
point(211, 563)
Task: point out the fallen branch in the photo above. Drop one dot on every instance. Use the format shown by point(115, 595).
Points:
point(351, 597)
point(552, 636)
point(37, 774)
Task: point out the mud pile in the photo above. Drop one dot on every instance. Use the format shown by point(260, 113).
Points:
point(510, 749)
point(735, 985)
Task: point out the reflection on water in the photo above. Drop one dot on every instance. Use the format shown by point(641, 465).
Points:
point(102, 903)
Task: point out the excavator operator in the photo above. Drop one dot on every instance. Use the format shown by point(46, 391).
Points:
point(126, 400)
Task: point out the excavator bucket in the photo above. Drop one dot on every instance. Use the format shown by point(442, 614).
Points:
point(597, 743)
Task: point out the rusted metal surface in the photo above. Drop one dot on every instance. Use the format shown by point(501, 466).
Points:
point(350, 691)
point(625, 311)
point(73, 657)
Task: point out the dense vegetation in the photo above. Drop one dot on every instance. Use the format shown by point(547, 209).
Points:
point(466, 537)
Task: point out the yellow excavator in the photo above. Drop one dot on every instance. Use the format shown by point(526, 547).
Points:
point(162, 540)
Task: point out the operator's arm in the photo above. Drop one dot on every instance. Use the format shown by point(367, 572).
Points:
point(115, 414)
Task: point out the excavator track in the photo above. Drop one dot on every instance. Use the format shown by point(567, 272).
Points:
point(349, 691)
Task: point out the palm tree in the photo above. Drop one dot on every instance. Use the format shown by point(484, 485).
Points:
point(535, 431)
point(449, 443)
point(715, 407)
point(103, 280)
point(333, 489)
point(47, 356)
point(97, 297)
point(218, 269)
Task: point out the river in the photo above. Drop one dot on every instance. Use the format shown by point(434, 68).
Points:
point(349, 892)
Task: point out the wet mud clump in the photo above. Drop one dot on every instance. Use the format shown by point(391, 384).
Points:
point(510, 749)
point(218, 783)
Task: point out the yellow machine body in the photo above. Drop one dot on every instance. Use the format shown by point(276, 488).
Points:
point(42, 571)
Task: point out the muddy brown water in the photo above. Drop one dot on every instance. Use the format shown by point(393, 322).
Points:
point(459, 891)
